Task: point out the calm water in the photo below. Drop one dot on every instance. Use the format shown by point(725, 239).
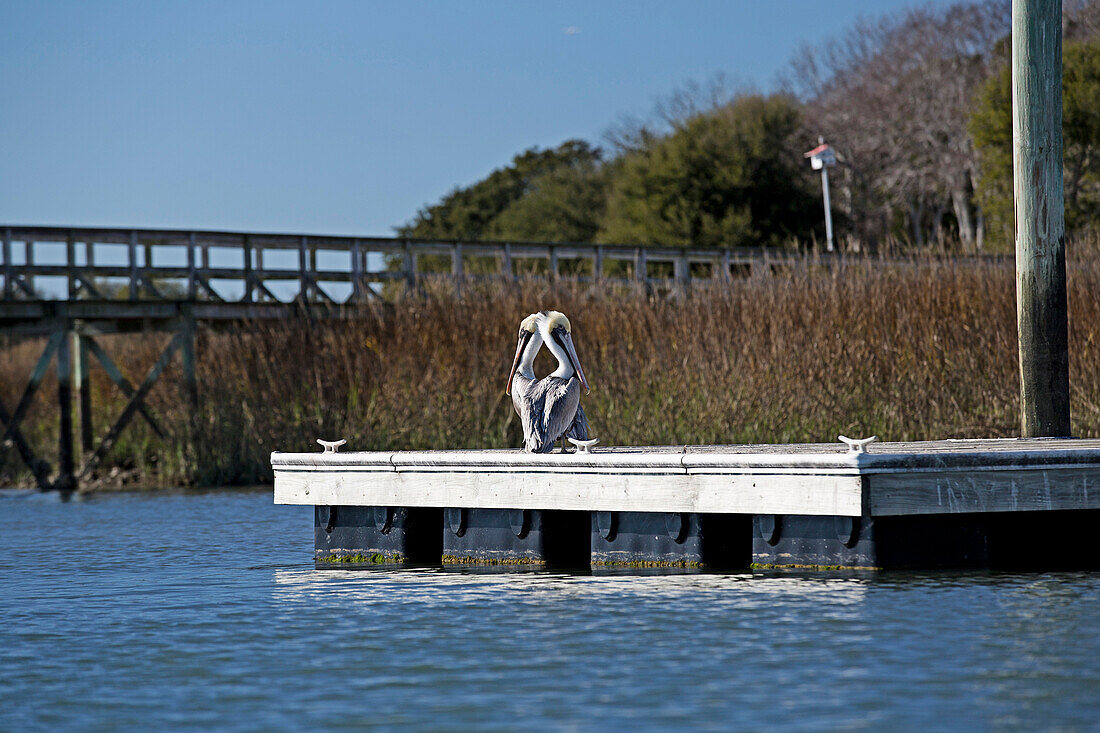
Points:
point(203, 610)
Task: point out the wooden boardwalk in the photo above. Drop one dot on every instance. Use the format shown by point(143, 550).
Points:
point(70, 285)
point(142, 265)
point(162, 264)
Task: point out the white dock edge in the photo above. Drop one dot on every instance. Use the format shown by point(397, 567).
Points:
point(937, 477)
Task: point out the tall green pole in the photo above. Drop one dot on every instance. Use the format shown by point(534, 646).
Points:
point(1041, 309)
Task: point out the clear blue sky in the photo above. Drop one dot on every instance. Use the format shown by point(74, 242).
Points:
point(340, 117)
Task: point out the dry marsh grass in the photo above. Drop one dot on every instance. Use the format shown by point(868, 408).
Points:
point(921, 350)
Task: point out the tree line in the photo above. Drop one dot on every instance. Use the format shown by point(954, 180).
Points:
point(917, 106)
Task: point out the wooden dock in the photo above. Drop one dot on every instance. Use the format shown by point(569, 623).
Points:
point(953, 491)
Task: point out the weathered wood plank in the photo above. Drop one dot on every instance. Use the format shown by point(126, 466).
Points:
point(940, 477)
point(963, 492)
point(780, 494)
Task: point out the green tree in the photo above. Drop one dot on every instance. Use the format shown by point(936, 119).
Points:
point(546, 195)
point(722, 177)
point(991, 126)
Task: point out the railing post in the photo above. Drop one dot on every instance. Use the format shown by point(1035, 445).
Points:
point(506, 262)
point(147, 267)
point(410, 265)
point(28, 260)
point(70, 262)
point(597, 265)
point(132, 252)
point(356, 272)
point(247, 247)
point(303, 281)
point(725, 264)
point(258, 275)
point(640, 273)
point(9, 290)
point(553, 262)
point(682, 271)
point(192, 284)
point(457, 266)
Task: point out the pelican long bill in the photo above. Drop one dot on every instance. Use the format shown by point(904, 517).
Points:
point(566, 342)
point(523, 341)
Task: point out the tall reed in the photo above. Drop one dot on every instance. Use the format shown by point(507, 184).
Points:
point(920, 350)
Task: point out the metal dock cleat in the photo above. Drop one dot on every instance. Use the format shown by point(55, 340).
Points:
point(331, 446)
point(857, 446)
point(583, 445)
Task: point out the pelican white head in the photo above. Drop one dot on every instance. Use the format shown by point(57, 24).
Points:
point(528, 344)
point(557, 333)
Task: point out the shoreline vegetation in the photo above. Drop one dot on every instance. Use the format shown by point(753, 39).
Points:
point(916, 104)
point(920, 349)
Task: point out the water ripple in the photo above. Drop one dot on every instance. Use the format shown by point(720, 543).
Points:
point(203, 611)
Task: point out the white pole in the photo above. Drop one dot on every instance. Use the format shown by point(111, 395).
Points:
point(828, 209)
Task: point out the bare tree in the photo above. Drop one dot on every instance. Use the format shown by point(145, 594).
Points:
point(893, 96)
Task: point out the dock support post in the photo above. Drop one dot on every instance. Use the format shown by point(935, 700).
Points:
point(190, 383)
point(65, 478)
point(83, 390)
point(1041, 306)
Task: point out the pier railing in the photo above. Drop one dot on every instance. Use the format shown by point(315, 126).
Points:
point(253, 267)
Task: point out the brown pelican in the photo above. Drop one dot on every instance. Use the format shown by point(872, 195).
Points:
point(522, 384)
point(560, 391)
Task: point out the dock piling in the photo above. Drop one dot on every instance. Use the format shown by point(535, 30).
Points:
point(65, 479)
point(1041, 301)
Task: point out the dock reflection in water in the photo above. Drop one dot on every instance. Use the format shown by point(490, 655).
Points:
point(204, 610)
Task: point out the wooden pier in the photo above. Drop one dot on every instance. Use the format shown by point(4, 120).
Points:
point(895, 505)
point(72, 285)
point(249, 267)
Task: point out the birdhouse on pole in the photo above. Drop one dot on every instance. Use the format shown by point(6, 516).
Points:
point(821, 159)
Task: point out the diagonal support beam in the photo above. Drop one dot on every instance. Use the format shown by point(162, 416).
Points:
point(86, 284)
point(147, 283)
point(12, 423)
point(317, 291)
point(208, 288)
point(135, 402)
point(123, 383)
point(27, 289)
point(259, 285)
point(38, 466)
